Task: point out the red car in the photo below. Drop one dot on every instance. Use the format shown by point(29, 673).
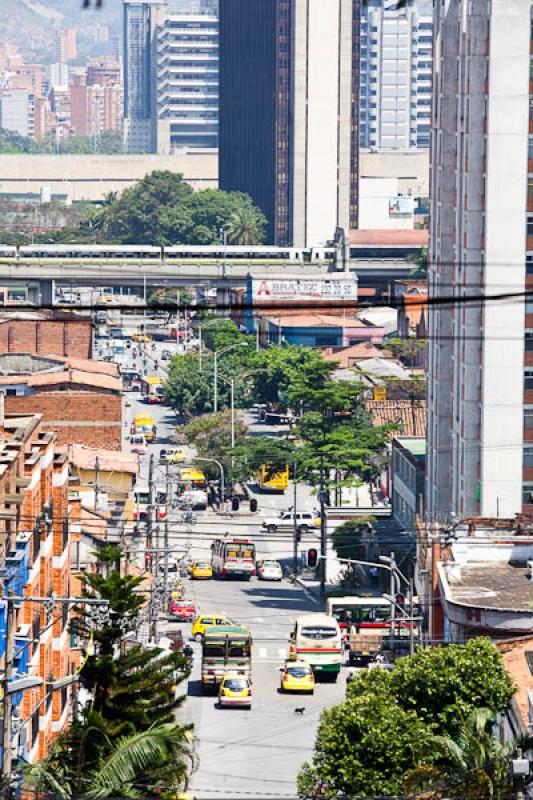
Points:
point(182, 610)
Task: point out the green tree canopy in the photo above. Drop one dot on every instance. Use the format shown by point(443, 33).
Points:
point(163, 209)
point(187, 389)
point(389, 726)
point(211, 436)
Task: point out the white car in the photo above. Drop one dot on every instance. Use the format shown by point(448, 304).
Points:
point(286, 519)
point(269, 570)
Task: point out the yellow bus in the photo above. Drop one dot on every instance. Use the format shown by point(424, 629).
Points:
point(152, 389)
point(193, 478)
point(273, 479)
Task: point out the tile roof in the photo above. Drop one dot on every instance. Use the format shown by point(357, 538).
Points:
point(313, 319)
point(99, 381)
point(409, 415)
point(386, 237)
point(347, 356)
point(83, 457)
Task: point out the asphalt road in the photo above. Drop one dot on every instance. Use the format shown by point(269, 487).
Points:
point(244, 753)
point(258, 752)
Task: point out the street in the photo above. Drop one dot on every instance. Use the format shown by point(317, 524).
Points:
point(257, 752)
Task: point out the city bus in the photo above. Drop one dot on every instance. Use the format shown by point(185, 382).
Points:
point(152, 389)
point(366, 622)
point(233, 558)
point(316, 638)
point(273, 479)
point(225, 648)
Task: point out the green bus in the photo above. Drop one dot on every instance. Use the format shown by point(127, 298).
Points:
point(225, 648)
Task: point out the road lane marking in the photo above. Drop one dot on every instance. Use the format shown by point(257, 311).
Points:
point(262, 652)
point(282, 652)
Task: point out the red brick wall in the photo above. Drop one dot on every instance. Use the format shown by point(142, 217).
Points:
point(47, 337)
point(96, 417)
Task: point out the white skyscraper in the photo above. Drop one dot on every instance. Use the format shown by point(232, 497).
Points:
point(170, 75)
point(396, 63)
point(480, 403)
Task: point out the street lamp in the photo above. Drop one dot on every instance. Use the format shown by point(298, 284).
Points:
point(207, 324)
point(215, 373)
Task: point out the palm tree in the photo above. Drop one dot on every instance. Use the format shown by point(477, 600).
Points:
point(245, 226)
point(474, 766)
point(86, 763)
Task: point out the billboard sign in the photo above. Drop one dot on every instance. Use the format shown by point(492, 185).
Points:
point(401, 205)
point(332, 288)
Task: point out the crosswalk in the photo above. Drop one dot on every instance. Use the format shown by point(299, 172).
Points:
point(270, 654)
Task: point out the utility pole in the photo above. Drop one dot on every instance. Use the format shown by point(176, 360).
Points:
point(392, 592)
point(6, 696)
point(152, 625)
point(411, 614)
point(322, 499)
point(295, 524)
point(96, 482)
point(166, 531)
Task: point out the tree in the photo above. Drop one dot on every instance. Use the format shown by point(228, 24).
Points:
point(284, 371)
point(85, 762)
point(187, 389)
point(179, 298)
point(364, 746)
point(246, 225)
point(390, 724)
point(222, 334)
point(472, 766)
point(255, 451)
point(444, 684)
point(211, 436)
point(132, 687)
point(347, 541)
point(422, 263)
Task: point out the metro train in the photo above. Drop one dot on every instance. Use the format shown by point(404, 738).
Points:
point(176, 254)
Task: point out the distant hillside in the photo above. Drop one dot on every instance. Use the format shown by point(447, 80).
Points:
point(28, 23)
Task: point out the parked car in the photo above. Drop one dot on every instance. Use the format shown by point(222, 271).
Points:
point(286, 519)
point(182, 610)
point(269, 570)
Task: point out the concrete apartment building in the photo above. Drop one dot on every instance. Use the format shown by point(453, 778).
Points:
point(17, 111)
point(289, 106)
point(396, 75)
point(35, 562)
point(170, 75)
point(480, 405)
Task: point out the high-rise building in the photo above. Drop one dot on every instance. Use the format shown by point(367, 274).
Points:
point(140, 73)
point(95, 108)
point(17, 109)
point(480, 404)
point(187, 86)
point(103, 71)
point(65, 44)
point(289, 103)
point(58, 77)
point(396, 64)
point(170, 75)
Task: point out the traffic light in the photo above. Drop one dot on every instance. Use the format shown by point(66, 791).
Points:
point(253, 504)
point(235, 504)
point(312, 557)
point(298, 535)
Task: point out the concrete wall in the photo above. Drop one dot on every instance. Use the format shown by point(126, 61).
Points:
point(92, 177)
point(410, 167)
point(374, 196)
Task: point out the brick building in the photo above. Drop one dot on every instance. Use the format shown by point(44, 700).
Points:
point(66, 335)
point(79, 400)
point(35, 562)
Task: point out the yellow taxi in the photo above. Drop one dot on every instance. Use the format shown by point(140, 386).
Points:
point(141, 337)
point(204, 621)
point(176, 456)
point(297, 676)
point(201, 569)
point(235, 690)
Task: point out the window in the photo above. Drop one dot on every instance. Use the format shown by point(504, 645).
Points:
point(527, 494)
point(528, 341)
point(528, 379)
point(528, 417)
